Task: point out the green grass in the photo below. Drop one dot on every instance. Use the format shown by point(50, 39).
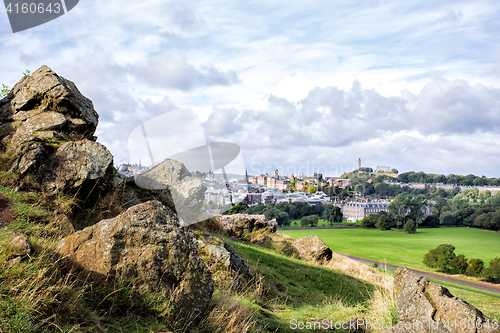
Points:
point(297, 290)
point(402, 249)
point(490, 306)
point(321, 223)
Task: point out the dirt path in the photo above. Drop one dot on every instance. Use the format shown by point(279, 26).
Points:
point(6, 212)
point(489, 288)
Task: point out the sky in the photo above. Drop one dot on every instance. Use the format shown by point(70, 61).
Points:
point(302, 86)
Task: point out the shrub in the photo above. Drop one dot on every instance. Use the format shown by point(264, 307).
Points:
point(460, 263)
point(475, 267)
point(442, 257)
point(492, 272)
point(410, 227)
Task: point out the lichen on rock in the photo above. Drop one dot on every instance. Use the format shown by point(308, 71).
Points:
point(146, 246)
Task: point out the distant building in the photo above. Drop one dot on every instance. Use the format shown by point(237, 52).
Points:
point(383, 169)
point(252, 180)
point(343, 183)
point(262, 180)
point(360, 210)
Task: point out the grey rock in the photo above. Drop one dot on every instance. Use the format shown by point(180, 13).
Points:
point(424, 306)
point(41, 112)
point(147, 246)
point(172, 183)
point(21, 245)
point(312, 247)
point(78, 165)
point(220, 251)
point(44, 91)
point(30, 158)
point(239, 224)
point(41, 122)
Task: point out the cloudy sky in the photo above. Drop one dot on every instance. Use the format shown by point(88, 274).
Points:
point(302, 86)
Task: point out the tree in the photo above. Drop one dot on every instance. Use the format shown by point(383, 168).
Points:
point(327, 214)
point(416, 205)
point(431, 221)
point(336, 215)
point(369, 221)
point(281, 217)
point(395, 171)
point(383, 223)
point(492, 272)
point(237, 209)
point(484, 195)
point(460, 263)
point(284, 207)
point(447, 218)
point(311, 221)
point(442, 258)
point(475, 267)
point(399, 206)
point(410, 227)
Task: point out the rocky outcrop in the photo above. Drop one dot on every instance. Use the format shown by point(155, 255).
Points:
point(147, 246)
point(239, 224)
point(312, 247)
point(45, 91)
point(217, 251)
point(78, 165)
point(172, 183)
point(49, 127)
point(424, 306)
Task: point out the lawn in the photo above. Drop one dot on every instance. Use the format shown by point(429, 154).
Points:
point(321, 223)
point(402, 249)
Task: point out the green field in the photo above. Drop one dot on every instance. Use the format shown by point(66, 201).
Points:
point(321, 223)
point(402, 249)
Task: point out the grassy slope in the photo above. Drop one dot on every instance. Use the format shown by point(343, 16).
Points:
point(402, 249)
point(303, 291)
point(37, 295)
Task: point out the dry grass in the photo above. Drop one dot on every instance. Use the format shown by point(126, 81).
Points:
point(229, 314)
point(356, 269)
point(381, 305)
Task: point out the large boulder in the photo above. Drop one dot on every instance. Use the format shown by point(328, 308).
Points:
point(239, 224)
point(77, 166)
point(45, 91)
point(424, 306)
point(147, 246)
point(312, 247)
point(48, 127)
point(172, 183)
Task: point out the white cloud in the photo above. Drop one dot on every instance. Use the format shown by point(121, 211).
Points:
point(277, 77)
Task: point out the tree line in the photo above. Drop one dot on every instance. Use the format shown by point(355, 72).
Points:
point(284, 212)
point(433, 178)
point(443, 258)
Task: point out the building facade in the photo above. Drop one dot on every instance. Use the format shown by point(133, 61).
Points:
point(360, 210)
